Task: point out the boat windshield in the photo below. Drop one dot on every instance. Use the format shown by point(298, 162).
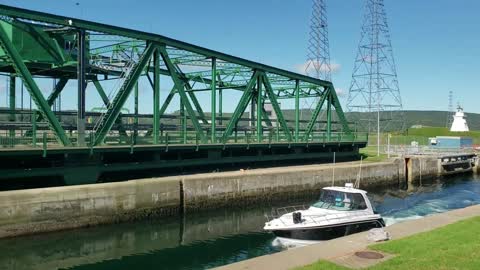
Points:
point(341, 201)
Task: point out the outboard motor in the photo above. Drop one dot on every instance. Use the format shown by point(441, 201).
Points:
point(297, 217)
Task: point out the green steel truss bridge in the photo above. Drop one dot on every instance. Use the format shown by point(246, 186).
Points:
point(107, 140)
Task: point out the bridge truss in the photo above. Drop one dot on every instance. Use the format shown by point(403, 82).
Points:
point(37, 46)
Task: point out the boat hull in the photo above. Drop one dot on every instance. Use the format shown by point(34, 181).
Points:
point(329, 232)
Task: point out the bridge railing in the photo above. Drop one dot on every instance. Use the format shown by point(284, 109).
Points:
point(44, 139)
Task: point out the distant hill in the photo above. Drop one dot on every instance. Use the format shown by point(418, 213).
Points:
point(438, 119)
point(412, 118)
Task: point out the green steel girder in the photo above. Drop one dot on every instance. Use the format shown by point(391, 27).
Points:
point(57, 90)
point(156, 96)
point(266, 118)
point(259, 107)
point(195, 102)
point(339, 111)
point(276, 107)
point(114, 110)
point(168, 99)
point(117, 47)
point(297, 111)
point(106, 102)
point(114, 30)
point(45, 41)
point(213, 101)
point(101, 92)
point(54, 95)
point(242, 106)
point(315, 114)
point(180, 87)
point(37, 96)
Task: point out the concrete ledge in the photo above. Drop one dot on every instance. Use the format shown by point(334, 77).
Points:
point(53, 209)
point(345, 246)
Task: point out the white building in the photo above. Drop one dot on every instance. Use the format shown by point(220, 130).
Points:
point(459, 122)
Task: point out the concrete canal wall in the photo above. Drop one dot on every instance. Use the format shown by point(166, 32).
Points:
point(250, 187)
point(51, 209)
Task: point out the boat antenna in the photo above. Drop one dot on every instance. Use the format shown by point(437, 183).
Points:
point(359, 176)
point(333, 170)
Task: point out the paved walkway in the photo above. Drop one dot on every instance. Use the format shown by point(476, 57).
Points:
point(338, 250)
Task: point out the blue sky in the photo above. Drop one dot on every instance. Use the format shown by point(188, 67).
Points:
point(436, 43)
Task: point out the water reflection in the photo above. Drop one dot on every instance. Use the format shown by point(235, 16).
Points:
point(206, 240)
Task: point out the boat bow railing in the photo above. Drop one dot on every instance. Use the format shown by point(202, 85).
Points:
point(315, 219)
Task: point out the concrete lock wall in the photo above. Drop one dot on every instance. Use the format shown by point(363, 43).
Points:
point(422, 167)
point(248, 187)
point(51, 209)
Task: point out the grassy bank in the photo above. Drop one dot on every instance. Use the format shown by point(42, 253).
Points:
point(455, 246)
point(421, 136)
point(369, 154)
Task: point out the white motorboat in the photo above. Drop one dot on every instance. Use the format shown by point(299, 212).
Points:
point(340, 211)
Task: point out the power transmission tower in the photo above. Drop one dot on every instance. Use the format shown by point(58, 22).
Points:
point(374, 94)
point(318, 56)
point(318, 62)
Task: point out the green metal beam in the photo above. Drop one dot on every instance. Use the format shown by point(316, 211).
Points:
point(338, 109)
point(54, 95)
point(315, 114)
point(22, 71)
point(259, 99)
point(329, 116)
point(241, 107)
point(169, 99)
point(196, 103)
point(213, 100)
point(12, 102)
point(297, 110)
point(135, 111)
point(276, 107)
point(114, 30)
point(106, 102)
point(266, 118)
point(156, 97)
point(56, 92)
point(114, 110)
point(101, 92)
point(44, 40)
point(220, 106)
point(180, 87)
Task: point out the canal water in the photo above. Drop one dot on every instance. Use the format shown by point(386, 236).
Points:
point(207, 240)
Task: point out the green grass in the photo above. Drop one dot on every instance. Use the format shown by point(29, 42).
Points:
point(440, 131)
point(456, 246)
point(369, 154)
point(323, 265)
point(421, 135)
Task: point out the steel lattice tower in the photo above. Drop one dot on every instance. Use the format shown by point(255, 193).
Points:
point(374, 93)
point(318, 62)
point(451, 111)
point(318, 52)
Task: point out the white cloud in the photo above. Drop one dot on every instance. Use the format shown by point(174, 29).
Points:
point(341, 92)
point(309, 67)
